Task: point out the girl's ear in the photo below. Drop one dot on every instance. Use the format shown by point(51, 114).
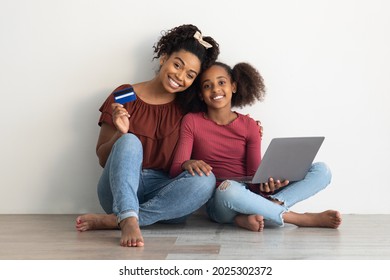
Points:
point(234, 87)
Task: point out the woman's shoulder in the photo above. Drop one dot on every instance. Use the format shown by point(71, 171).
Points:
point(122, 87)
point(246, 119)
point(144, 105)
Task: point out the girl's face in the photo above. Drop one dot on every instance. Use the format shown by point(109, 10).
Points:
point(217, 87)
point(179, 70)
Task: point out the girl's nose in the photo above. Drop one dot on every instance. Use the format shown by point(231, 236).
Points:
point(216, 88)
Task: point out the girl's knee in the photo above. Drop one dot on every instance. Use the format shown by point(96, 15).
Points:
point(322, 169)
point(224, 185)
point(227, 190)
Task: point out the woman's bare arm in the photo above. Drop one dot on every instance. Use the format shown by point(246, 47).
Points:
point(107, 137)
point(109, 134)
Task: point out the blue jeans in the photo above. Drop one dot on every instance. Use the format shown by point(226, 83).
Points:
point(237, 199)
point(149, 195)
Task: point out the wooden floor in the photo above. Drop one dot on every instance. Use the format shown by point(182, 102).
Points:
point(53, 237)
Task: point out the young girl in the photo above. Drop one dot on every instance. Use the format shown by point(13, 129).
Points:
point(228, 143)
point(137, 140)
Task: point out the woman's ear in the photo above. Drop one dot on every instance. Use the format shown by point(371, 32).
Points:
point(163, 58)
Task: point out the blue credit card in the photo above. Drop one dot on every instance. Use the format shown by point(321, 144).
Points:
point(125, 95)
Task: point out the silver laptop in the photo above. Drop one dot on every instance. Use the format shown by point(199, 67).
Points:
point(285, 159)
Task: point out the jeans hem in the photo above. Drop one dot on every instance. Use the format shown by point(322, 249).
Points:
point(126, 214)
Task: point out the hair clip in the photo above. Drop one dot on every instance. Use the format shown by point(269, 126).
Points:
point(198, 36)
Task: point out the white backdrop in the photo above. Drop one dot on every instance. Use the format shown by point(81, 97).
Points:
point(326, 65)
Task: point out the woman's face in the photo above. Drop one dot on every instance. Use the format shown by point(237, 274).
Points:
point(179, 70)
point(217, 87)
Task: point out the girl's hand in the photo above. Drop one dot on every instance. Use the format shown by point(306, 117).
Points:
point(120, 117)
point(198, 166)
point(271, 186)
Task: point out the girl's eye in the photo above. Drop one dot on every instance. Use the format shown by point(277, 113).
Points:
point(222, 82)
point(191, 77)
point(177, 65)
point(206, 86)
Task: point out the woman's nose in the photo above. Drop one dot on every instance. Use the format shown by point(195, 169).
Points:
point(180, 75)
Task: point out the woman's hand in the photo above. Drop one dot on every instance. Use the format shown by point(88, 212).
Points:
point(260, 129)
point(271, 186)
point(198, 166)
point(120, 117)
point(259, 125)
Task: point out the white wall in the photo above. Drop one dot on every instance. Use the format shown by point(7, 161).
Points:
point(325, 63)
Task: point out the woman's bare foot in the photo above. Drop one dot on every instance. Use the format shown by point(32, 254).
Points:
point(131, 233)
point(96, 221)
point(327, 219)
point(250, 222)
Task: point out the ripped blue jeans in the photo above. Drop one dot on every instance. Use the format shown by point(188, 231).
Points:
point(236, 198)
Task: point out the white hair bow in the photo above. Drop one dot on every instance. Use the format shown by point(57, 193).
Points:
point(198, 36)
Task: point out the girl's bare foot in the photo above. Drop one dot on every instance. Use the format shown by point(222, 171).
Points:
point(250, 222)
point(96, 221)
point(327, 219)
point(131, 233)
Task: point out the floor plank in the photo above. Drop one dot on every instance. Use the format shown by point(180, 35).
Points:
point(53, 237)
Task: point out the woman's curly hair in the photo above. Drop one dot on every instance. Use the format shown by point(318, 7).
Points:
point(182, 38)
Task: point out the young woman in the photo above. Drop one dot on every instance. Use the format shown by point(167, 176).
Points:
point(228, 143)
point(137, 140)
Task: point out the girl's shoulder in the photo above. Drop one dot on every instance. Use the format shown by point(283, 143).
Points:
point(193, 116)
point(252, 126)
point(194, 121)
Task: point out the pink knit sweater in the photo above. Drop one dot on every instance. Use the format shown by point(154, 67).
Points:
point(232, 150)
